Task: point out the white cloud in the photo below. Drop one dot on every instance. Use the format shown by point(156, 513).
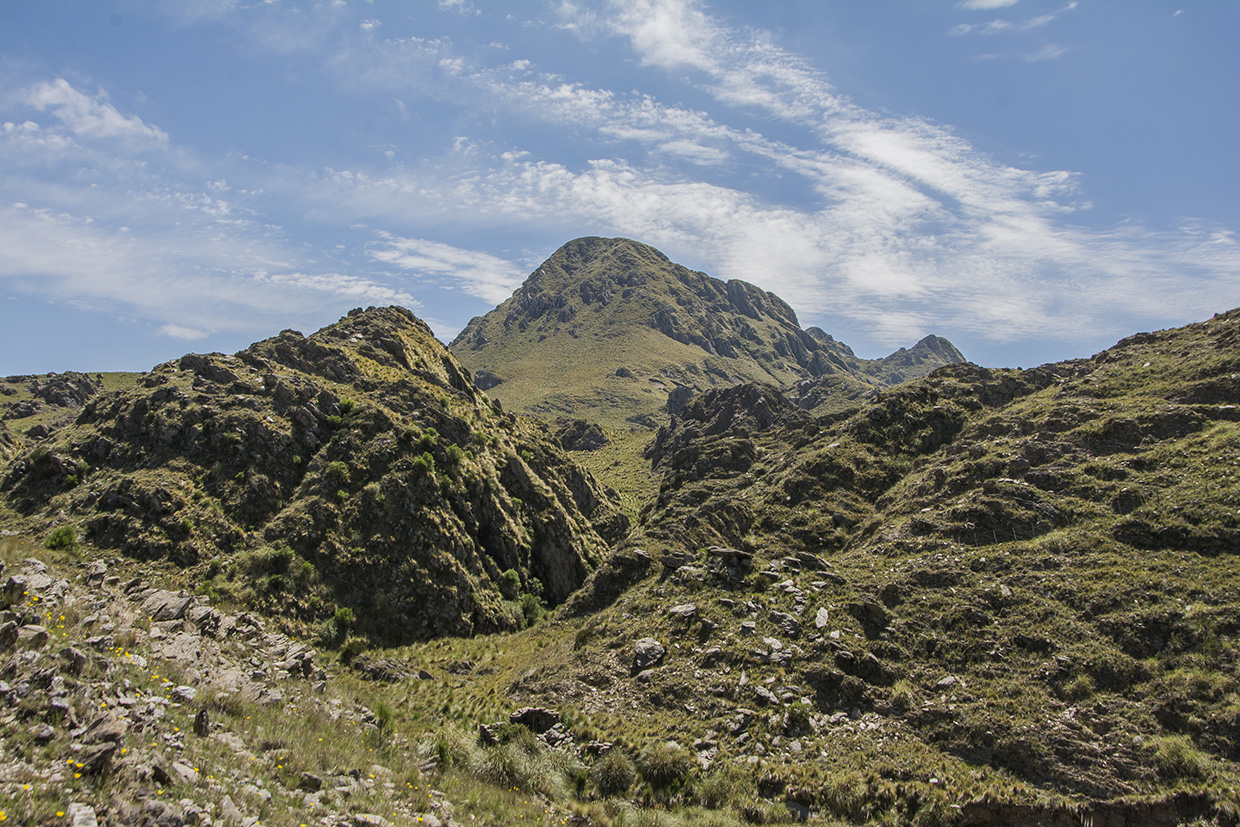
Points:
point(459, 6)
point(670, 33)
point(177, 331)
point(995, 27)
point(913, 231)
point(92, 116)
point(483, 275)
point(693, 151)
point(986, 5)
point(899, 226)
point(195, 283)
point(1049, 51)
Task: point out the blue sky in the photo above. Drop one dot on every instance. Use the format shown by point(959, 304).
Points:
point(1032, 180)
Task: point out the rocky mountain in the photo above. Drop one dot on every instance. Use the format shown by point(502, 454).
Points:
point(610, 330)
point(358, 468)
point(978, 597)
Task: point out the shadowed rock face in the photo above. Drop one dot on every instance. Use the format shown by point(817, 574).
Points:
point(612, 331)
point(398, 488)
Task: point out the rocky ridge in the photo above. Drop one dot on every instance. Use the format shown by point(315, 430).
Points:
point(358, 467)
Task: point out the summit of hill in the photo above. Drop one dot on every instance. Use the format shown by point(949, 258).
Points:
point(610, 330)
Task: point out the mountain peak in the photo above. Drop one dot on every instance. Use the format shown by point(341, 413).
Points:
point(611, 329)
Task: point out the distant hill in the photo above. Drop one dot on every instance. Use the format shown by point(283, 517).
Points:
point(611, 330)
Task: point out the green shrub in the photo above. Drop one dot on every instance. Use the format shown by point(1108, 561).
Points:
point(428, 439)
point(424, 463)
point(613, 773)
point(337, 471)
point(510, 584)
point(518, 735)
point(330, 634)
point(383, 714)
point(532, 608)
point(727, 784)
point(353, 646)
point(346, 406)
point(334, 630)
point(1176, 756)
point(455, 454)
point(665, 766)
point(272, 560)
point(1079, 688)
point(344, 618)
point(62, 537)
point(846, 796)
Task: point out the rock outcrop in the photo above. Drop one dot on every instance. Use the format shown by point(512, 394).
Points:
point(358, 467)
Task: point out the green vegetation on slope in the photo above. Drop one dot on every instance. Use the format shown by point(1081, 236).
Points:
point(978, 597)
point(358, 467)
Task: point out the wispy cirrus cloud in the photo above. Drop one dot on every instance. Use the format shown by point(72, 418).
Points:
point(136, 229)
point(895, 226)
point(193, 283)
point(986, 5)
point(911, 228)
point(481, 274)
point(1045, 51)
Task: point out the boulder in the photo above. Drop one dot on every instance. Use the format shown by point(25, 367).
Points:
point(787, 623)
point(12, 591)
point(871, 615)
point(765, 696)
point(536, 719)
point(95, 759)
point(33, 636)
point(647, 653)
point(96, 572)
point(685, 611)
point(8, 635)
point(165, 605)
point(81, 815)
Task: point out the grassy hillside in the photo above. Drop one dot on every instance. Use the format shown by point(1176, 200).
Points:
point(979, 597)
point(989, 597)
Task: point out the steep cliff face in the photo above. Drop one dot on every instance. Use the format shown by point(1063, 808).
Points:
point(356, 467)
point(613, 331)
